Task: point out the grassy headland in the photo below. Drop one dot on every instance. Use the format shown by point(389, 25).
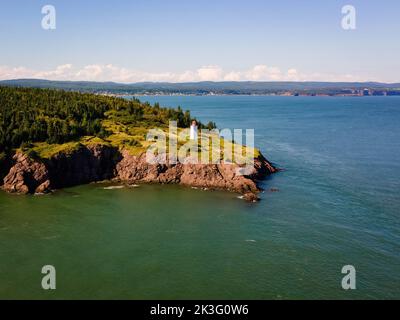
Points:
point(44, 122)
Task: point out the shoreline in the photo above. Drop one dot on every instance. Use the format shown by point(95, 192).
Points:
point(240, 95)
point(99, 163)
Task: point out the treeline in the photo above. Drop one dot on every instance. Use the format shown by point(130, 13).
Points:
point(36, 115)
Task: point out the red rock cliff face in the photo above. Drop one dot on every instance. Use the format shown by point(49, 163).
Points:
point(26, 176)
point(214, 176)
point(97, 163)
point(87, 164)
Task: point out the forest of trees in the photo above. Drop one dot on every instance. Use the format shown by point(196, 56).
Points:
point(30, 115)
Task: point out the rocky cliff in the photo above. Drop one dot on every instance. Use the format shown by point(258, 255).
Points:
point(99, 162)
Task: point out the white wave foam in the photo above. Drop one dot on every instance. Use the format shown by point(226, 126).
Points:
point(113, 187)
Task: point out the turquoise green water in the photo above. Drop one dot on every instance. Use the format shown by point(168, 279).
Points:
point(338, 204)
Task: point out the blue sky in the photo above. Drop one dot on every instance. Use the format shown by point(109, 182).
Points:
point(177, 40)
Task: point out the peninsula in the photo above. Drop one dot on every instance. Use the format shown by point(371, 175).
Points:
point(50, 139)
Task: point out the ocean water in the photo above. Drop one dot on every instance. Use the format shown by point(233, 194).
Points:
point(338, 204)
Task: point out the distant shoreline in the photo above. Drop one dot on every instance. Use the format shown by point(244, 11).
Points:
point(209, 88)
point(238, 95)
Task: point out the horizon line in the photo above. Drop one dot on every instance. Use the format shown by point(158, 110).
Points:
point(204, 81)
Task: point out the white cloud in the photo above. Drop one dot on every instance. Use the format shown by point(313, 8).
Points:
point(263, 72)
point(91, 71)
point(210, 73)
point(232, 76)
point(109, 72)
point(186, 76)
point(13, 73)
point(292, 75)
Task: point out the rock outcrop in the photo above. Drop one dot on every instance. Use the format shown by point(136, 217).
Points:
point(134, 169)
point(87, 164)
point(27, 176)
point(99, 162)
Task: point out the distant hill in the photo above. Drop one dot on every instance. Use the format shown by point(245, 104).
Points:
point(208, 87)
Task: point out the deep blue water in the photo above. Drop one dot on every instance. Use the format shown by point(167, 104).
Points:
point(339, 199)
